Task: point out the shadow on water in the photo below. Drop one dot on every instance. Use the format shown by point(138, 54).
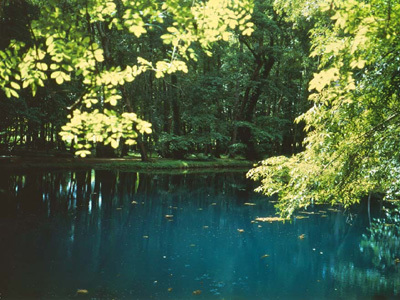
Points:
point(112, 235)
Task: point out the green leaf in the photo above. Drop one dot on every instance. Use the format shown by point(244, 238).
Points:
point(114, 144)
point(14, 93)
point(98, 55)
point(15, 85)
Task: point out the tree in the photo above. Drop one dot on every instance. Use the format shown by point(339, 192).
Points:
point(354, 125)
point(271, 83)
point(70, 45)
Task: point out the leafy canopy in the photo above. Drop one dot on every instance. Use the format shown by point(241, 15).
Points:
point(67, 46)
point(352, 147)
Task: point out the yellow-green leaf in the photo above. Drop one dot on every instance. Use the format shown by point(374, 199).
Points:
point(114, 144)
point(15, 85)
point(98, 55)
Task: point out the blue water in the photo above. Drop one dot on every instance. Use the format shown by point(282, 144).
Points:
point(120, 235)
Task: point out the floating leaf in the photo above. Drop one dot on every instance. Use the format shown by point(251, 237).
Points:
point(308, 212)
point(82, 291)
point(197, 292)
point(240, 230)
point(302, 236)
point(249, 204)
point(264, 256)
point(271, 219)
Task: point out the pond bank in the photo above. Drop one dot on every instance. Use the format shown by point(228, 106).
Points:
point(16, 163)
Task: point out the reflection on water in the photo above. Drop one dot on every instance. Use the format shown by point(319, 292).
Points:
point(381, 249)
point(192, 236)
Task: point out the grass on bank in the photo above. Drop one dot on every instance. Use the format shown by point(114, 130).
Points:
point(133, 164)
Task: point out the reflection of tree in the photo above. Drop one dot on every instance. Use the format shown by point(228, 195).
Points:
point(100, 229)
point(382, 252)
point(366, 280)
point(383, 241)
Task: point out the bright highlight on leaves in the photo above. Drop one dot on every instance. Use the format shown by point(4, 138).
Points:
point(68, 48)
point(353, 125)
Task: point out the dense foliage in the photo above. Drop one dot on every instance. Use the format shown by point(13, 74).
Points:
point(71, 42)
point(103, 75)
point(108, 65)
point(353, 125)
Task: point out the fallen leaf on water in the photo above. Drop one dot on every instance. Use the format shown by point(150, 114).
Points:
point(169, 289)
point(214, 203)
point(192, 245)
point(302, 236)
point(200, 208)
point(82, 291)
point(240, 230)
point(205, 227)
point(249, 204)
point(324, 216)
point(145, 236)
point(264, 256)
point(302, 217)
point(134, 202)
point(397, 261)
point(119, 208)
point(270, 219)
point(197, 292)
point(169, 216)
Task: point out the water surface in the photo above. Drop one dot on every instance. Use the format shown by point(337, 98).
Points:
point(121, 235)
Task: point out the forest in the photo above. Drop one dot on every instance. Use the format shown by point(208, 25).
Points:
point(135, 135)
point(238, 96)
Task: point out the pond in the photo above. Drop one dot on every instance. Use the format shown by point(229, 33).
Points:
point(124, 235)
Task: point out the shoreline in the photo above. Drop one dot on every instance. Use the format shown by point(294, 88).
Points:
point(18, 163)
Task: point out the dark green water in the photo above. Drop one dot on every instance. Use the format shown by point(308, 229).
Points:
point(62, 232)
